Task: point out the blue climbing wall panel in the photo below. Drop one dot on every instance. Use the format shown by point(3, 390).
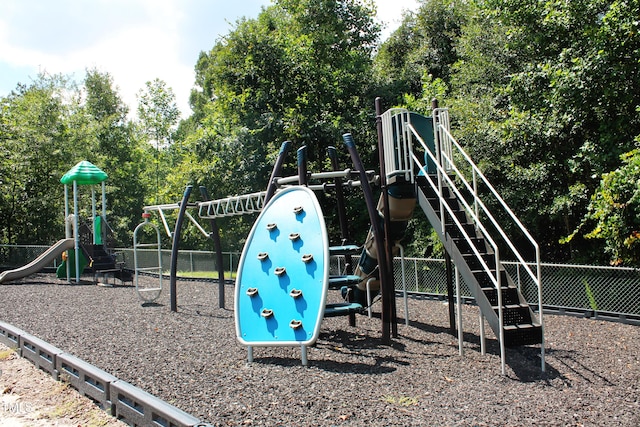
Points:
point(283, 274)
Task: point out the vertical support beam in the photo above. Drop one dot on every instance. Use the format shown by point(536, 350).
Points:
point(302, 165)
point(104, 200)
point(387, 282)
point(342, 217)
point(277, 169)
point(175, 247)
point(450, 298)
point(104, 212)
point(93, 214)
point(75, 230)
point(376, 227)
point(215, 236)
point(459, 306)
point(67, 226)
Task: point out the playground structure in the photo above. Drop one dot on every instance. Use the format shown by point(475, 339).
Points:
point(76, 253)
point(450, 190)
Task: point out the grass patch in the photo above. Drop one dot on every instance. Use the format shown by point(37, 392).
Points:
point(6, 354)
point(590, 295)
point(206, 274)
point(400, 401)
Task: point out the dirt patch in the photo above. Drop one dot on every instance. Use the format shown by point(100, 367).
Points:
point(31, 397)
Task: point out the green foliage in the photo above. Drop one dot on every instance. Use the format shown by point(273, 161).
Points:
point(614, 212)
point(590, 295)
point(544, 95)
point(49, 126)
point(301, 71)
point(422, 50)
point(37, 141)
point(118, 152)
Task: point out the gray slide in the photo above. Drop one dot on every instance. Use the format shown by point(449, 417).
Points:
point(39, 263)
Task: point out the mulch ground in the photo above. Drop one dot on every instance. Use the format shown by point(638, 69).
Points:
point(191, 359)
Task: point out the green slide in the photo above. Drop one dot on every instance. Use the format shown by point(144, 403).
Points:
point(61, 271)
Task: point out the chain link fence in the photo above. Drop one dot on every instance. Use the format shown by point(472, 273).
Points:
point(593, 289)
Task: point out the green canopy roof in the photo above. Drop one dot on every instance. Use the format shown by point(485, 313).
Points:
point(84, 173)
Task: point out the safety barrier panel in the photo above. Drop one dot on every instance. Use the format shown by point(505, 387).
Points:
point(135, 406)
point(10, 335)
point(90, 381)
point(40, 353)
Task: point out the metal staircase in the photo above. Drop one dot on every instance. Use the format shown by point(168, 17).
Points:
point(454, 195)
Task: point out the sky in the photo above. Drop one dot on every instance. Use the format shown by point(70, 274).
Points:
point(135, 41)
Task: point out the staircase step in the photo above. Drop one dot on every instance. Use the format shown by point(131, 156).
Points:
point(452, 202)
point(342, 309)
point(515, 314)
point(465, 246)
point(475, 265)
point(522, 334)
point(509, 295)
point(345, 250)
point(484, 281)
point(337, 282)
point(455, 233)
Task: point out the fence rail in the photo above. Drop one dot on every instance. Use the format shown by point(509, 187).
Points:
point(595, 289)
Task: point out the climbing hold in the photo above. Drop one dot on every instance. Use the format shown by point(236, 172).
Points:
point(266, 313)
point(295, 324)
point(252, 292)
point(298, 210)
point(295, 293)
point(294, 236)
point(272, 226)
point(307, 258)
point(280, 271)
point(262, 256)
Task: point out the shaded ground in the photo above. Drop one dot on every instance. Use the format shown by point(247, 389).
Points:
point(192, 360)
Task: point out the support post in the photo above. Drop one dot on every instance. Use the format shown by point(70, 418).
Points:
point(277, 169)
point(388, 285)
point(215, 236)
point(175, 247)
point(375, 226)
point(450, 298)
point(342, 217)
point(75, 230)
point(302, 165)
point(67, 226)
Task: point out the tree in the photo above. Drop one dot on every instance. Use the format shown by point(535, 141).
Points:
point(158, 114)
point(118, 153)
point(37, 140)
point(614, 212)
point(422, 49)
point(302, 71)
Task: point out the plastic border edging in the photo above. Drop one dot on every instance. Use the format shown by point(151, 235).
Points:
point(90, 381)
point(40, 353)
point(126, 402)
point(10, 336)
point(135, 406)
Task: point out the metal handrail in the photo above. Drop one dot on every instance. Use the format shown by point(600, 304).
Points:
point(443, 131)
point(442, 175)
point(446, 148)
point(473, 189)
